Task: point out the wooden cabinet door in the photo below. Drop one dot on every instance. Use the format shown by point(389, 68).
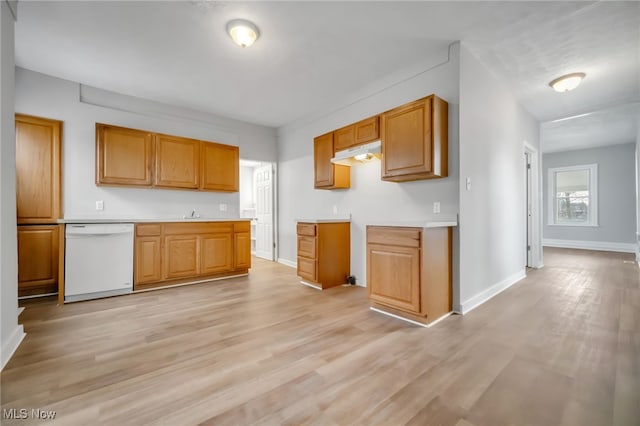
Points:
point(38, 250)
point(220, 167)
point(393, 276)
point(344, 138)
point(322, 154)
point(366, 130)
point(38, 171)
point(242, 250)
point(216, 253)
point(328, 175)
point(123, 156)
point(147, 266)
point(407, 139)
point(181, 256)
point(177, 162)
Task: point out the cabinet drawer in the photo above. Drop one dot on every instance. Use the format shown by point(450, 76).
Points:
point(182, 228)
point(307, 246)
point(307, 268)
point(396, 236)
point(241, 226)
point(148, 230)
point(307, 229)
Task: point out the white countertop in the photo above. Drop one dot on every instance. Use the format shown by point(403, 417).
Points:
point(159, 220)
point(435, 221)
point(325, 220)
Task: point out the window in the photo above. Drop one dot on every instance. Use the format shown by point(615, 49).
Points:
point(573, 195)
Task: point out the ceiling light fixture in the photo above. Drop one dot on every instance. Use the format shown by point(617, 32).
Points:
point(243, 32)
point(567, 82)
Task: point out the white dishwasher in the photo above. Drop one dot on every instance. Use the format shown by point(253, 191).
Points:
point(98, 260)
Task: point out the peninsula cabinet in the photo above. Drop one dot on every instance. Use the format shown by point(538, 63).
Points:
point(123, 156)
point(38, 259)
point(129, 157)
point(415, 141)
point(177, 162)
point(38, 170)
point(324, 251)
point(328, 175)
point(409, 271)
point(179, 252)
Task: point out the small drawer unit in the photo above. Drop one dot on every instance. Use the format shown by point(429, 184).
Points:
point(324, 253)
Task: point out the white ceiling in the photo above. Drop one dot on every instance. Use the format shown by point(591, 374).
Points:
point(312, 55)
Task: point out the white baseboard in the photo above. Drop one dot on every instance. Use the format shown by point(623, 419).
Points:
point(477, 300)
point(287, 262)
point(10, 346)
point(591, 245)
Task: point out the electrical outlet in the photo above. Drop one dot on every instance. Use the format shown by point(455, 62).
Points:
point(335, 209)
point(223, 207)
point(100, 205)
point(436, 207)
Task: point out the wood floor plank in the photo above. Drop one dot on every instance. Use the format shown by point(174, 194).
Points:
point(561, 347)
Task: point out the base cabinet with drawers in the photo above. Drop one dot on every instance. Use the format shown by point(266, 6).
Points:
point(324, 251)
point(172, 253)
point(409, 271)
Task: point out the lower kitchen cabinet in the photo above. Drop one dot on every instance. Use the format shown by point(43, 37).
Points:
point(182, 256)
point(242, 258)
point(409, 271)
point(38, 257)
point(147, 260)
point(216, 253)
point(324, 251)
point(178, 252)
point(394, 278)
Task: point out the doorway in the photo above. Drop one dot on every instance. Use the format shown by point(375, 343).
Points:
point(257, 195)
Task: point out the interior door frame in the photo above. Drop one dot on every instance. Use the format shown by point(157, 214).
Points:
point(534, 236)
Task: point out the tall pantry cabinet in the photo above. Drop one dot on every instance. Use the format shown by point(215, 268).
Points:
point(38, 203)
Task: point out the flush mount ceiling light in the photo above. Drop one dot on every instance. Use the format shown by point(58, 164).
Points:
point(243, 32)
point(567, 82)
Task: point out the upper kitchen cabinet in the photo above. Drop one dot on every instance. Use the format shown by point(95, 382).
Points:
point(414, 141)
point(328, 175)
point(177, 162)
point(123, 156)
point(130, 157)
point(357, 134)
point(220, 167)
point(38, 170)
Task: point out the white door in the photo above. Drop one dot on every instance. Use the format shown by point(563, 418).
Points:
point(528, 207)
point(263, 180)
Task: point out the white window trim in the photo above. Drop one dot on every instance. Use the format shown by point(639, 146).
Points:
point(593, 194)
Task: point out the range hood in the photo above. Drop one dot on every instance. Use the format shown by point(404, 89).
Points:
point(358, 154)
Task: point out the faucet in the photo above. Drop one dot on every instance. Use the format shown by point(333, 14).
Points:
point(193, 215)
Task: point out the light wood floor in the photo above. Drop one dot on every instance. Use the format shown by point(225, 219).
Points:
point(562, 347)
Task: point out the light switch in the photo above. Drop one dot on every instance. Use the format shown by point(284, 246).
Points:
point(335, 209)
point(468, 184)
point(436, 207)
point(223, 207)
point(100, 205)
